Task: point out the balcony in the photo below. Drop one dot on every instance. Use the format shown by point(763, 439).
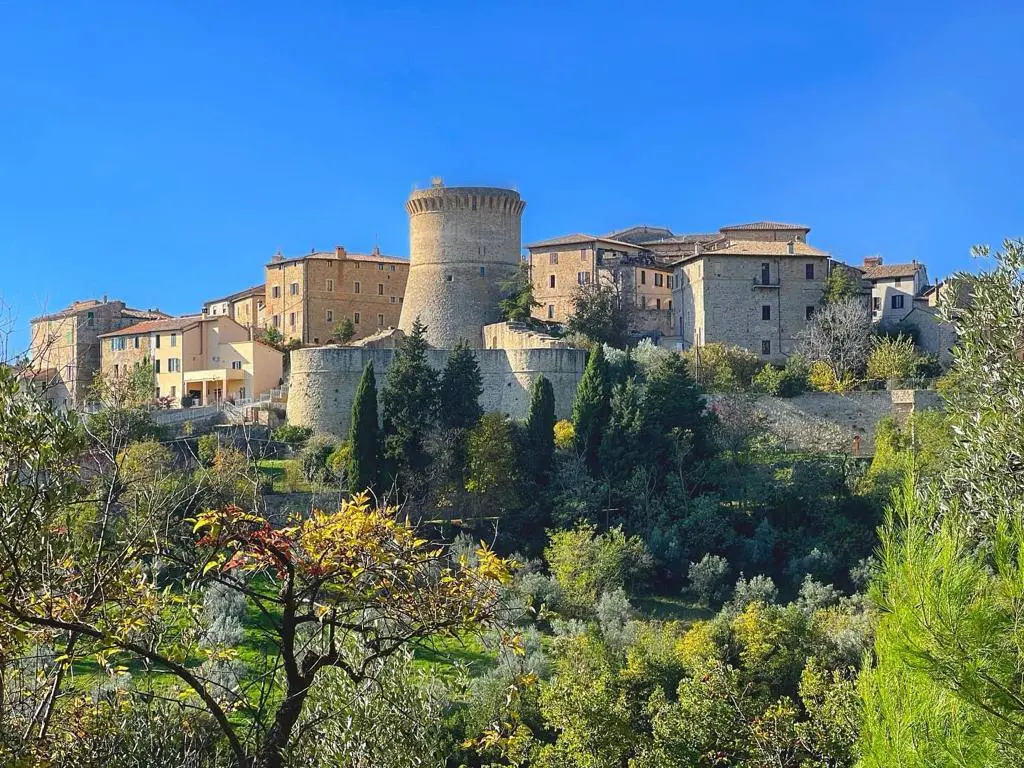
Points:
point(215, 374)
point(760, 282)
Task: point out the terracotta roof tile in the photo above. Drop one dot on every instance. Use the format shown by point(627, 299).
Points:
point(763, 226)
point(890, 271)
point(580, 237)
point(157, 326)
point(256, 290)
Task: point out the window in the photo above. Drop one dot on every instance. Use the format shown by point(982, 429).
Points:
point(291, 319)
point(643, 302)
point(316, 339)
point(355, 318)
point(391, 267)
point(293, 289)
point(135, 342)
point(156, 367)
point(551, 281)
point(483, 271)
point(657, 303)
point(876, 303)
point(174, 339)
point(766, 347)
point(809, 271)
point(449, 278)
point(659, 279)
point(766, 311)
point(156, 341)
point(117, 343)
point(330, 285)
point(380, 289)
point(174, 390)
point(643, 277)
point(330, 315)
point(897, 301)
point(583, 254)
point(380, 320)
point(357, 287)
point(380, 267)
point(583, 278)
point(392, 299)
point(275, 321)
point(670, 305)
point(115, 369)
point(765, 273)
point(808, 312)
point(90, 319)
point(551, 311)
point(236, 365)
point(554, 258)
point(275, 292)
point(174, 365)
point(899, 280)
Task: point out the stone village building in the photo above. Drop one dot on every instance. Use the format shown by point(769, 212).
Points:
point(65, 347)
point(307, 296)
point(894, 288)
point(244, 307)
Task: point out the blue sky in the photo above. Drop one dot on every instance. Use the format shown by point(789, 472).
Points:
point(160, 152)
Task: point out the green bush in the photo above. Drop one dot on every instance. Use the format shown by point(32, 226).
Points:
point(292, 434)
point(338, 461)
point(314, 456)
point(893, 358)
point(723, 368)
point(788, 381)
point(206, 449)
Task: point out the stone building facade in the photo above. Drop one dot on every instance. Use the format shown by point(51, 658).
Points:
point(65, 346)
point(464, 242)
point(755, 287)
point(307, 296)
point(560, 266)
point(209, 358)
point(244, 307)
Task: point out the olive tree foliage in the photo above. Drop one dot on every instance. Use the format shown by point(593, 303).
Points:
point(947, 650)
point(339, 590)
point(838, 335)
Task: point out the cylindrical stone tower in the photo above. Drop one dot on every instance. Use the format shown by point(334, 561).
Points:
point(463, 242)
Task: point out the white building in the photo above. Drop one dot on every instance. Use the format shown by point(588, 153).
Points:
point(893, 288)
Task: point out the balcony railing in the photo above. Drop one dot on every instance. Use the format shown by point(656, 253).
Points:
point(760, 282)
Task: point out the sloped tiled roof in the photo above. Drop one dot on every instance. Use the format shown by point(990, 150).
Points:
point(375, 256)
point(639, 234)
point(769, 248)
point(256, 290)
point(579, 237)
point(688, 239)
point(157, 326)
point(890, 271)
point(81, 306)
point(764, 226)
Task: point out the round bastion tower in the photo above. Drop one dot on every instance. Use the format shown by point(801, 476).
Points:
point(463, 243)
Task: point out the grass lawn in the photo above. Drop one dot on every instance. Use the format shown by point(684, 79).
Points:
point(277, 469)
point(672, 608)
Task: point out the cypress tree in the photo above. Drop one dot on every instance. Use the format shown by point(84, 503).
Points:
point(364, 437)
point(673, 405)
point(461, 387)
point(540, 427)
point(590, 408)
point(410, 404)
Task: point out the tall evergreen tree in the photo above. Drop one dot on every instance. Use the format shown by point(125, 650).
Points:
point(540, 428)
point(674, 409)
point(461, 387)
point(590, 408)
point(364, 434)
point(410, 404)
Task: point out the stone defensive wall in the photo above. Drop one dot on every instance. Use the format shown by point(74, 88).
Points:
point(819, 421)
point(324, 380)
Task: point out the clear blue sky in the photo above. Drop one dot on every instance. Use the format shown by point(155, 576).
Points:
point(160, 152)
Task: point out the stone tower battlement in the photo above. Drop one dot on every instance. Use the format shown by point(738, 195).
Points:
point(463, 243)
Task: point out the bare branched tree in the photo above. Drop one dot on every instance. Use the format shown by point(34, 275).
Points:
point(838, 335)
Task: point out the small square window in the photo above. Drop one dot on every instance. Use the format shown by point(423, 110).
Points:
point(380, 267)
point(275, 292)
point(766, 311)
point(766, 347)
point(897, 301)
point(392, 299)
point(449, 278)
point(236, 365)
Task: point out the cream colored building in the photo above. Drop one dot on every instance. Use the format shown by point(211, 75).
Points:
point(65, 347)
point(894, 287)
point(244, 307)
point(561, 265)
point(307, 296)
point(210, 358)
point(754, 286)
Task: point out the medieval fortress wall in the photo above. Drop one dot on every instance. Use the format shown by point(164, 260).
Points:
point(463, 243)
point(324, 380)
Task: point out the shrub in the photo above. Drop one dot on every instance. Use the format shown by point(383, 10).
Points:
point(565, 434)
point(292, 434)
point(338, 461)
point(707, 578)
point(823, 378)
point(789, 381)
point(723, 368)
point(892, 358)
point(187, 401)
point(314, 456)
point(293, 478)
point(206, 449)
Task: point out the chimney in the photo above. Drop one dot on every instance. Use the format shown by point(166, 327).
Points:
point(104, 298)
point(339, 251)
point(790, 248)
point(437, 182)
point(872, 261)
